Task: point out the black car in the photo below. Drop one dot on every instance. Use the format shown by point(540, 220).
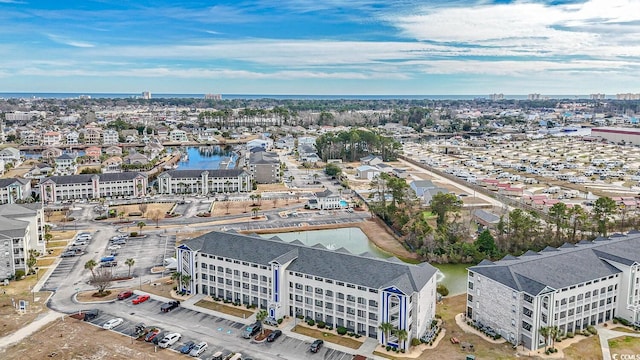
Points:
point(91, 314)
point(315, 346)
point(186, 347)
point(169, 306)
point(159, 337)
point(274, 335)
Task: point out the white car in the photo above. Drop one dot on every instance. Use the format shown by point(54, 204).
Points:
point(169, 340)
point(198, 349)
point(112, 323)
point(114, 247)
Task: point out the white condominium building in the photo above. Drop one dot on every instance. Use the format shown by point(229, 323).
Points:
point(571, 287)
point(93, 186)
point(358, 292)
point(204, 182)
point(21, 230)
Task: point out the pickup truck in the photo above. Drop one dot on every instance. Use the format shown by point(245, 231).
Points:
point(169, 306)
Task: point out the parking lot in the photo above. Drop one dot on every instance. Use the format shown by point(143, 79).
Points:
point(220, 334)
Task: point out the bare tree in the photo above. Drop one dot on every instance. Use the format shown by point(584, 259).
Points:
point(156, 215)
point(275, 202)
point(143, 208)
point(101, 279)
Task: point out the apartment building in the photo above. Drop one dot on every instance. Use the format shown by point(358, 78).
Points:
point(51, 138)
point(93, 186)
point(110, 137)
point(570, 287)
point(326, 200)
point(14, 189)
point(204, 182)
point(264, 166)
point(21, 229)
point(358, 292)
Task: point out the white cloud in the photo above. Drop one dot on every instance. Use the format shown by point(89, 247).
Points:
point(70, 42)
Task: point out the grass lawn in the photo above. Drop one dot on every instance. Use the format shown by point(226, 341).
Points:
point(10, 319)
point(625, 345)
point(429, 215)
point(62, 235)
point(162, 287)
point(587, 349)
point(329, 337)
point(224, 308)
point(45, 262)
point(624, 329)
point(54, 252)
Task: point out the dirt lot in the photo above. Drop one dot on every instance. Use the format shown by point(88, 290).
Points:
point(151, 207)
point(221, 208)
point(10, 318)
point(74, 339)
point(225, 308)
point(328, 336)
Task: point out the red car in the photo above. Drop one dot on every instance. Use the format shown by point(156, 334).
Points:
point(125, 295)
point(140, 299)
point(151, 335)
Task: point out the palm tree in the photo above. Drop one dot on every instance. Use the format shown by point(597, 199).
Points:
point(90, 265)
point(185, 279)
point(260, 316)
point(255, 211)
point(386, 329)
point(402, 335)
point(553, 332)
point(544, 332)
point(141, 224)
point(129, 262)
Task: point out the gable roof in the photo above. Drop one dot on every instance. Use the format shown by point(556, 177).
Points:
point(319, 261)
point(86, 178)
point(189, 174)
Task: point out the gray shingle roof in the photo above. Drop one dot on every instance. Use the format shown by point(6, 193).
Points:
point(6, 182)
point(566, 266)
point(339, 266)
point(190, 174)
point(86, 178)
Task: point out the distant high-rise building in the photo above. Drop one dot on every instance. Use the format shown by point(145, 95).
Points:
point(213, 97)
point(494, 97)
point(146, 95)
point(628, 96)
point(597, 96)
point(533, 97)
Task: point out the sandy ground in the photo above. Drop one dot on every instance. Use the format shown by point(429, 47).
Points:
point(221, 208)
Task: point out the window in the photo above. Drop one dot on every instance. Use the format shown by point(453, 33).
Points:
point(340, 296)
point(328, 305)
point(203, 265)
point(308, 288)
point(236, 272)
point(373, 303)
point(351, 298)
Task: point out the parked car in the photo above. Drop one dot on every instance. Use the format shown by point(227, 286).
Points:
point(271, 321)
point(251, 330)
point(113, 247)
point(139, 328)
point(315, 346)
point(140, 299)
point(169, 306)
point(80, 243)
point(91, 314)
point(198, 349)
point(152, 334)
point(169, 340)
point(274, 335)
point(68, 253)
point(218, 356)
point(112, 323)
point(125, 294)
point(109, 264)
point(187, 347)
point(156, 339)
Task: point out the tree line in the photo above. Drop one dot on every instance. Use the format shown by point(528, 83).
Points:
point(354, 144)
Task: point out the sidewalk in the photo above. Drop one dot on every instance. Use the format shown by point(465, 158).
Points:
point(34, 326)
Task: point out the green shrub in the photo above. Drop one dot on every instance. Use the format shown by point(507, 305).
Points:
point(615, 321)
point(442, 290)
point(415, 342)
point(351, 334)
point(311, 322)
point(134, 234)
point(19, 274)
point(402, 351)
point(279, 321)
point(329, 327)
point(321, 324)
point(341, 330)
point(570, 335)
point(592, 330)
point(388, 348)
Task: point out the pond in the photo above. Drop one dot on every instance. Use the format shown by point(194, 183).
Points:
point(453, 276)
point(208, 158)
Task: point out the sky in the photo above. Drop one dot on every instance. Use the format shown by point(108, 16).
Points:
point(321, 47)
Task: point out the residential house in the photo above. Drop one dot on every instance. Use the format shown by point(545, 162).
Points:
point(425, 189)
point(66, 164)
point(56, 189)
point(264, 166)
point(265, 144)
point(21, 230)
point(14, 190)
point(326, 200)
point(92, 136)
point(51, 138)
point(153, 149)
point(570, 287)
point(204, 182)
point(30, 137)
point(288, 142)
point(11, 155)
point(178, 136)
point(358, 292)
point(113, 151)
point(308, 153)
point(163, 133)
point(73, 138)
point(371, 160)
point(51, 153)
point(39, 171)
point(485, 218)
point(112, 165)
point(110, 137)
point(94, 152)
point(136, 159)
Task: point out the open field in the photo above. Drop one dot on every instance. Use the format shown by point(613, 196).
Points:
point(74, 339)
point(586, 349)
point(328, 336)
point(10, 318)
point(221, 208)
point(224, 308)
point(627, 345)
point(62, 235)
point(133, 208)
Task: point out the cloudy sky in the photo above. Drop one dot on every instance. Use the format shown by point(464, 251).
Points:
point(321, 46)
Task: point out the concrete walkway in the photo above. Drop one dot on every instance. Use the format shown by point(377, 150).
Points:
point(607, 334)
point(41, 321)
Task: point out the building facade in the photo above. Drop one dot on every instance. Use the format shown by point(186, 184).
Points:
point(571, 287)
point(358, 292)
point(21, 230)
point(264, 167)
point(14, 190)
point(326, 200)
point(204, 182)
point(93, 186)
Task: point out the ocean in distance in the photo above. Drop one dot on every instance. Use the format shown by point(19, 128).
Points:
point(37, 95)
